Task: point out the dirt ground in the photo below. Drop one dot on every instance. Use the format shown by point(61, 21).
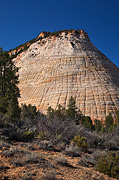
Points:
point(25, 161)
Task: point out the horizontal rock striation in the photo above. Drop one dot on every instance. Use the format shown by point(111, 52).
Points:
point(57, 67)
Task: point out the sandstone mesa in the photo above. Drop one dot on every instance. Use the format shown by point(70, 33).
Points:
point(57, 67)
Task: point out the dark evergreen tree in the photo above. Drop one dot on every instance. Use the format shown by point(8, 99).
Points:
point(9, 92)
point(117, 118)
point(87, 122)
point(29, 116)
point(72, 109)
point(60, 112)
point(98, 125)
point(109, 122)
point(28, 111)
point(50, 112)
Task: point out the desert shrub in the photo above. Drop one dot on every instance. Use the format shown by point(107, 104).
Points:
point(27, 176)
point(10, 153)
point(50, 175)
point(96, 155)
point(61, 145)
point(9, 132)
point(18, 162)
point(72, 150)
point(33, 158)
point(59, 126)
point(84, 162)
point(3, 144)
point(58, 130)
point(112, 143)
point(15, 133)
point(81, 142)
point(94, 140)
point(93, 158)
point(112, 139)
point(109, 164)
point(61, 161)
point(106, 140)
point(31, 147)
point(24, 144)
point(46, 145)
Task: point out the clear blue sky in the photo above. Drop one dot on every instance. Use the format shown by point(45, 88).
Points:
point(23, 20)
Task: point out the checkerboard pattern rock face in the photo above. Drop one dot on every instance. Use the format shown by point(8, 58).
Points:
point(57, 67)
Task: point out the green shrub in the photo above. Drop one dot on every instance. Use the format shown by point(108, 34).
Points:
point(81, 142)
point(109, 165)
point(28, 135)
point(42, 135)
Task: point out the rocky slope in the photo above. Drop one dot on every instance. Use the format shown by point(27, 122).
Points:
point(24, 161)
point(60, 66)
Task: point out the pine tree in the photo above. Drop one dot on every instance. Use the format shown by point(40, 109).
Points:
point(109, 122)
point(71, 111)
point(98, 125)
point(87, 122)
point(117, 118)
point(9, 92)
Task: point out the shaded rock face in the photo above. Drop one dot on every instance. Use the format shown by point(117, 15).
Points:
point(55, 68)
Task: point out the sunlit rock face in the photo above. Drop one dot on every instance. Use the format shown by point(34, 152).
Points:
point(57, 67)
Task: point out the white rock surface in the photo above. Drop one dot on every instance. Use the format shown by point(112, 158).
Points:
point(55, 68)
